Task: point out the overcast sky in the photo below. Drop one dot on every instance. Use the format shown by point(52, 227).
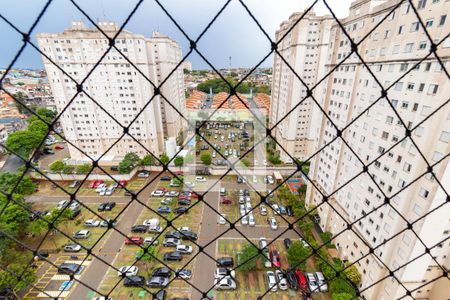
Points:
point(233, 34)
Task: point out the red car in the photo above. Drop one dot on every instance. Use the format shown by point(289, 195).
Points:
point(225, 200)
point(194, 195)
point(134, 240)
point(59, 147)
point(275, 258)
point(179, 173)
point(185, 197)
point(122, 184)
point(94, 184)
point(301, 279)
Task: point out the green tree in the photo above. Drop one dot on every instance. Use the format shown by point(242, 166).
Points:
point(245, 162)
point(39, 128)
point(297, 254)
point(68, 169)
point(301, 190)
point(352, 274)
point(84, 168)
point(341, 296)
point(9, 180)
point(46, 114)
point(263, 89)
point(164, 159)
point(23, 142)
point(147, 160)
point(340, 285)
point(275, 159)
point(10, 280)
point(178, 161)
point(57, 166)
point(248, 258)
point(206, 158)
point(128, 163)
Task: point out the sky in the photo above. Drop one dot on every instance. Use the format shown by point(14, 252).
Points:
point(233, 34)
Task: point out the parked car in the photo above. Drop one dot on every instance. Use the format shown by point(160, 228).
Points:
point(287, 243)
point(221, 219)
point(92, 223)
point(163, 272)
point(271, 281)
point(181, 210)
point(134, 240)
point(164, 210)
point(200, 178)
point(289, 211)
point(184, 249)
point(59, 147)
point(75, 214)
point(62, 204)
point(312, 283)
point(172, 234)
point(292, 279)
point(251, 220)
point(166, 178)
point(184, 202)
point(273, 223)
point(171, 242)
point(174, 255)
point(100, 187)
point(72, 247)
point(222, 272)
point(157, 282)
point(226, 283)
point(139, 229)
point(149, 240)
point(226, 262)
point(74, 184)
point(160, 295)
point(282, 281)
point(128, 271)
point(226, 201)
point(70, 268)
point(105, 223)
point(263, 210)
point(157, 193)
point(143, 174)
point(190, 236)
point(323, 287)
point(183, 273)
point(134, 281)
point(282, 209)
point(275, 258)
point(301, 280)
point(82, 234)
point(95, 183)
point(316, 219)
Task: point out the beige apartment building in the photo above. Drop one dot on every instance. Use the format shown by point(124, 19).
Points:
point(115, 91)
point(381, 206)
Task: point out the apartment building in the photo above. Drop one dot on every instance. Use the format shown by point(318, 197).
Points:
point(381, 203)
point(303, 47)
point(115, 92)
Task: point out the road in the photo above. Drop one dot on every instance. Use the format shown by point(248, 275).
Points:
point(12, 163)
point(112, 245)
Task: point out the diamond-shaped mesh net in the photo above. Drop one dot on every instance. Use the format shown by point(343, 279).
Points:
point(103, 253)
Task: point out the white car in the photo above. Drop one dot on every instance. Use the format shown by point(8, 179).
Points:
point(270, 179)
point(241, 200)
point(109, 191)
point(312, 282)
point(262, 243)
point(62, 204)
point(242, 209)
point(276, 208)
point(251, 220)
point(184, 249)
point(244, 220)
point(189, 184)
point(262, 210)
point(74, 205)
point(92, 223)
point(171, 194)
point(223, 272)
point(184, 229)
point(100, 187)
point(157, 193)
point(226, 283)
point(103, 191)
point(271, 281)
point(221, 220)
point(150, 240)
point(273, 223)
point(128, 271)
point(323, 287)
point(255, 180)
point(82, 234)
point(200, 178)
point(282, 281)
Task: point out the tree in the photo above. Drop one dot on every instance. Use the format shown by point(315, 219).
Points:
point(178, 161)
point(23, 142)
point(297, 255)
point(263, 89)
point(68, 169)
point(248, 258)
point(10, 280)
point(341, 296)
point(189, 158)
point(19, 97)
point(39, 128)
point(84, 168)
point(301, 190)
point(275, 159)
point(353, 274)
point(129, 162)
point(340, 285)
point(9, 180)
point(164, 159)
point(147, 160)
point(57, 166)
point(206, 158)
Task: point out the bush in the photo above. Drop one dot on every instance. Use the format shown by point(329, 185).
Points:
point(84, 168)
point(275, 159)
point(248, 258)
point(206, 158)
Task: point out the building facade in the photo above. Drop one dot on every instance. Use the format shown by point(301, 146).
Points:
point(115, 92)
point(380, 204)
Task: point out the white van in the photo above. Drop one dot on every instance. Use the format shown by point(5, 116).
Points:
point(223, 191)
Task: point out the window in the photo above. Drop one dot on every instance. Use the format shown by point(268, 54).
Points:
point(442, 20)
point(414, 26)
point(429, 23)
point(401, 29)
point(410, 86)
point(409, 47)
point(398, 86)
point(433, 88)
point(395, 49)
point(403, 67)
point(387, 34)
point(422, 45)
point(407, 167)
point(445, 137)
point(421, 87)
point(421, 4)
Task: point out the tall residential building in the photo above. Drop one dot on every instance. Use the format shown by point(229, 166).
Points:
point(393, 48)
point(303, 49)
point(118, 88)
